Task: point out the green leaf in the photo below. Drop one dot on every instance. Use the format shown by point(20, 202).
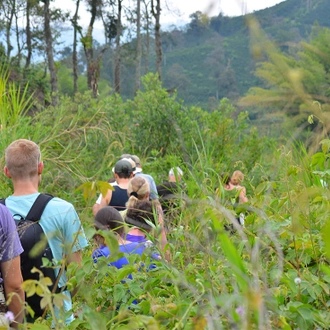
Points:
point(310, 119)
point(43, 302)
point(103, 187)
point(235, 260)
point(29, 286)
point(135, 289)
point(46, 281)
point(306, 312)
point(96, 320)
point(119, 292)
point(124, 272)
point(325, 145)
point(318, 159)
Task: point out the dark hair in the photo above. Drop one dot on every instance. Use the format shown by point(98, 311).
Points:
point(124, 175)
point(141, 211)
point(225, 178)
point(108, 218)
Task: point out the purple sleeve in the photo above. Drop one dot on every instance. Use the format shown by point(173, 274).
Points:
point(10, 245)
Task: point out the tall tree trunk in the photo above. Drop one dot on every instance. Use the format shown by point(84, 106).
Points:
point(118, 53)
point(10, 17)
point(28, 37)
point(156, 14)
point(74, 53)
point(50, 57)
point(93, 65)
point(138, 47)
point(18, 42)
point(146, 63)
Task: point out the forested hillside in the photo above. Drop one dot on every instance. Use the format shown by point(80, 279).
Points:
point(210, 58)
point(206, 60)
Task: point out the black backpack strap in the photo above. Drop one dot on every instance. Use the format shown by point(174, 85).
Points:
point(3, 201)
point(38, 207)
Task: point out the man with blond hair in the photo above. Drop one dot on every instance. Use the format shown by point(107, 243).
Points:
point(59, 220)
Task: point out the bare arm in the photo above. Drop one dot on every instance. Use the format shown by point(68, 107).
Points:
point(163, 232)
point(242, 195)
point(104, 202)
point(12, 279)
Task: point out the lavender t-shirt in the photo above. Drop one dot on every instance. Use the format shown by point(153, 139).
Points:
point(10, 245)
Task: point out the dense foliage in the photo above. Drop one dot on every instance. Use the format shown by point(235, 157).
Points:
point(273, 273)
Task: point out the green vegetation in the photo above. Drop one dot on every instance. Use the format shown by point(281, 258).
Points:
point(272, 274)
point(210, 58)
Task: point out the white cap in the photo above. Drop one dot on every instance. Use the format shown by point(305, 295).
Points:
point(175, 171)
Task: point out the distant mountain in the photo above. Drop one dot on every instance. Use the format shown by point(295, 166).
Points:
point(211, 59)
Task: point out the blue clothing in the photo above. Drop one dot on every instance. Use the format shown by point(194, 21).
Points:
point(61, 225)
point(134, 238)
point(119, 198)
point(10, 244)
point(130, 248)
point(153, 188)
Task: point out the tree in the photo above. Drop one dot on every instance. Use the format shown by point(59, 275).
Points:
point(7, 9)
point(147, 35)
point(93, 64)
point(299, 85)
point(28, 35)
point(198, 26)
point(50, 56)
point(156, 10)
point(138, 46)
point(10, 11)
point(76, 28)
point(118, 47)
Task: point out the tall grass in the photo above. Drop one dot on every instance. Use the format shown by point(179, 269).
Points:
point(271, 274)
point(14, 102)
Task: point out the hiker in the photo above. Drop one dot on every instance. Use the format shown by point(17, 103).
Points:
point(59, 220)
point(139, 187)
point(138, 213)
point(139, 190)
point(150, 179)
point(173, 199)
point(108, 218)
point(175, 174)
point(10, 267)
point(118, 197)
point(233, 196)
point(172, 196)
point(237, 178)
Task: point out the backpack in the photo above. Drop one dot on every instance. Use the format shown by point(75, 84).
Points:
point(31, 233)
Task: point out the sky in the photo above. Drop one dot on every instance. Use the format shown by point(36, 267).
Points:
point(177, 12)
point(181, 9)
